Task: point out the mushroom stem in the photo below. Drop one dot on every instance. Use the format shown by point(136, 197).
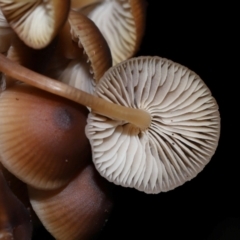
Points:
point(137, 117)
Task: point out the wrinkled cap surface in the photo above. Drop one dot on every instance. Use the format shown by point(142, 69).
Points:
point(183, 134)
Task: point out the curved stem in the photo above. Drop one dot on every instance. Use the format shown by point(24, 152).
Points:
point(137, 117)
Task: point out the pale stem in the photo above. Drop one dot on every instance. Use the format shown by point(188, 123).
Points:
point(137, 117)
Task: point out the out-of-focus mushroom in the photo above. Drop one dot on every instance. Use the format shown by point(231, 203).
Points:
point(35, 22)
point(77, 211)
point(14, 217)
point(122, 23)
point(42, 136)
point(149, 102)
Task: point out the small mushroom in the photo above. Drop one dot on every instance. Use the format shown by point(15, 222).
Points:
point(78, 60)
point(78, 210)
point(158, 113)
point(184, 129)
point(122, 23)
point(35, 22)
point(42, 136)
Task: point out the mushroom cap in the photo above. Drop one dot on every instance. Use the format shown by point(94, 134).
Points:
point(87, 35)
point(36, 22)
point(183, 134)
point(82, 42)
point(42, 136)
point(77, 211)
point(122, 23)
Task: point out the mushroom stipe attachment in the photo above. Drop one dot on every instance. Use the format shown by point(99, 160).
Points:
point(183, 134)
point(154, 124)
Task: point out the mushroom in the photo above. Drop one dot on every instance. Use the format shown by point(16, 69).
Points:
point(80, 35)
point(158, 113)
point(42, 136)
point(14, 217)
point(181, 139)
point(35, 22)
point(78, 210)
point(122, 23)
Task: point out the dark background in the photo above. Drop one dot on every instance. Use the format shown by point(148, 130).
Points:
point(200, 37)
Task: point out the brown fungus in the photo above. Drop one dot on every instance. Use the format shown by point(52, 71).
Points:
point(35, 22)
point(122, 23)
point(78, 210)
point(42, 136)
point(78, 59)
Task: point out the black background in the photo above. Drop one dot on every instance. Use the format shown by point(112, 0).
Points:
point(200, 37)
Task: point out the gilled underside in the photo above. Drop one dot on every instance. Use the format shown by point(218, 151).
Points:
point(183, 134)
point(118, 26)
point(35, 22)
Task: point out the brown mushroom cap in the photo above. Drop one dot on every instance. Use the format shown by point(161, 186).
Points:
point(42, 136)
point(82, 42)
point(77, 211)
point(181, 139)
point(36, 22)
point(87, 35)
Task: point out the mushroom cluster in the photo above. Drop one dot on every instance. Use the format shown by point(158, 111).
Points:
point(74, 105)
